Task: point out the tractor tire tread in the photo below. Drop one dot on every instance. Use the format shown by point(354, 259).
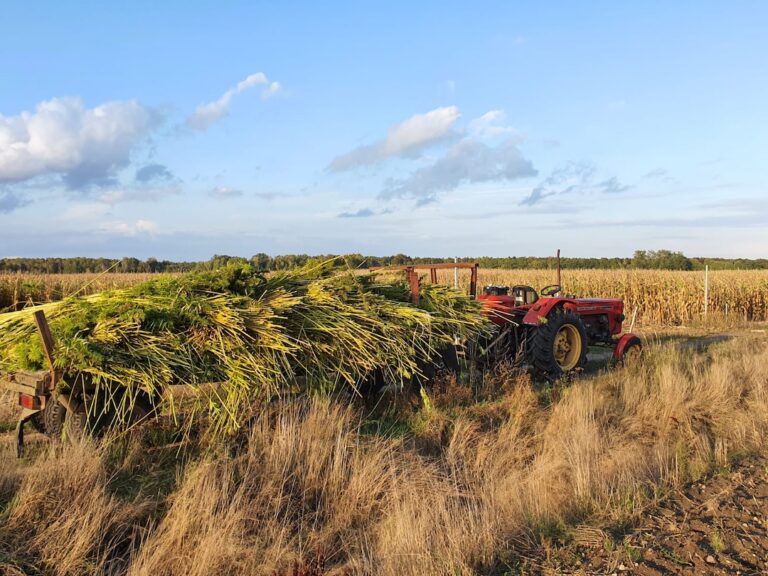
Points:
point(542, 358)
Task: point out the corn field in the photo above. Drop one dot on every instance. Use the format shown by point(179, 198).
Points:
point(660, 297)
point(18, 291)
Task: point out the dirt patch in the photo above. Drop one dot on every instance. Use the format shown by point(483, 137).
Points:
point(716, 526)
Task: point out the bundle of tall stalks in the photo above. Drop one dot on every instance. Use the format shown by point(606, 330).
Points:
point(256, 337)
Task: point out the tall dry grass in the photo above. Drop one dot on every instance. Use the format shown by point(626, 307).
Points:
point(472, 489)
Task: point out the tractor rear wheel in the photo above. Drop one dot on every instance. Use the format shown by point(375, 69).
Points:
point(559, 345)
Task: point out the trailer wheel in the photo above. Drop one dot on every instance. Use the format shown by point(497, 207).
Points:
point(559, 345)
point(52, 419)
point(90, 419)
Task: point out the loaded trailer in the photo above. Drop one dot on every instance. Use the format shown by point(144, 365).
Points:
point(547, 331)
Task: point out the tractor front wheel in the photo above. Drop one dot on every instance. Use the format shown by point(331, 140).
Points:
point(559, 345)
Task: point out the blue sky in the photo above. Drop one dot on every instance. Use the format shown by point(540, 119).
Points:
point(183, 129)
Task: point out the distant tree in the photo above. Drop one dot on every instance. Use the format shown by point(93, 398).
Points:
point(261, 262)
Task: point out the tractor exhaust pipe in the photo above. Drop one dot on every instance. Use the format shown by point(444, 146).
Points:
point(558, 268)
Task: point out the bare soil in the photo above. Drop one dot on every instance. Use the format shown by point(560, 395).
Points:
point(715, 526)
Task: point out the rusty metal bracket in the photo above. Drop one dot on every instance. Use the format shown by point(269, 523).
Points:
point(413, 277)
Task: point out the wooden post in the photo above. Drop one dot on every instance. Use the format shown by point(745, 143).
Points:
point(473, 282)
point(45, 336)
point(456, 273)
point(433, 275)
point(413, 282)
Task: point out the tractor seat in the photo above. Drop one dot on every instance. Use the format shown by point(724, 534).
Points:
point(524, 295)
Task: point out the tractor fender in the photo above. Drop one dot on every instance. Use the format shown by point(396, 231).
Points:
point(543, 307)
point(623, 343)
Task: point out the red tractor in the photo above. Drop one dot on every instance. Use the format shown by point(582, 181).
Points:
point(551, 331)
point(548, 331)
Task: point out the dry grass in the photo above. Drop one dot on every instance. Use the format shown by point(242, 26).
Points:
point(471, 488)
point(9, 408)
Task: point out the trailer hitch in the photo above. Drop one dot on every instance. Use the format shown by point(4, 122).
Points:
point(28, 412)
point(26, 415)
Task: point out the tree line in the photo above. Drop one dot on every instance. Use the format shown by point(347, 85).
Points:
point(642, 259)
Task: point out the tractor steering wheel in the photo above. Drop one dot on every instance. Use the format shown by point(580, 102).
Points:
point(550, 290)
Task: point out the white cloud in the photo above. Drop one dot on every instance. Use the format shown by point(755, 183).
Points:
point(469, 161)
point(223, 192)
point(63, 137)
point(271, 90)
point(404, 139)
point(121, 228)
point(489, 125)
point(206, 115)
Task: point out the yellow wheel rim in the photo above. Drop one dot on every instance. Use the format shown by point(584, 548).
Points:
point(567, 347)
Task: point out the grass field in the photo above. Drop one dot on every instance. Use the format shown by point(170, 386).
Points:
point(494, 481)
point(494, 475)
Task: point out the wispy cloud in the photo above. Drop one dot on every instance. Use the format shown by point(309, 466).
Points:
point(137, 228)
point(225, 193)
point(656, 173)
point(362, 213)
point(575, 178)
point(490, 125)
point(405, 139)
point(365, 213)
point(271, 90)
point(138, 193)
point(152, 173)
point(612, 186)
point(205, 115)
point(84, 146)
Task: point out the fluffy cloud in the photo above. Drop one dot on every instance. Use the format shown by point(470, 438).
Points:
point(404, 139)
point(574, 178)
point(62, 137)
point(206, 115)
point(224, 193)
point(468, 161)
